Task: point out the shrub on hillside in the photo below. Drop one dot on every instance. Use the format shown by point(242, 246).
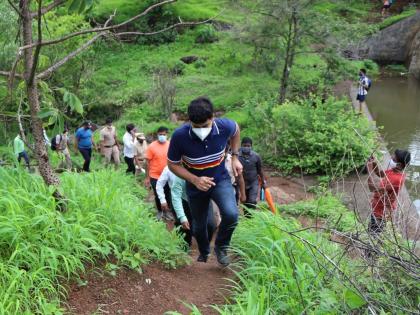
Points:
point(310, 135)
point(206, 34)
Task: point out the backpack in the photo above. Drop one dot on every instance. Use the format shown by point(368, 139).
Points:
point(54, 143)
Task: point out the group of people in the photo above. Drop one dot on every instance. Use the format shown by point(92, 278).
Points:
point(199, 176)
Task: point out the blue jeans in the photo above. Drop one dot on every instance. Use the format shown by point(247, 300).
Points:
point(223, 195)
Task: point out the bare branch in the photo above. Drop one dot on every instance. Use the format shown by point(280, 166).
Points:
point(38, 45)
point(46, 73)
point(162, 30)
point(14, 7)
point(8, 73)
point(100, 29)
point(48, 8)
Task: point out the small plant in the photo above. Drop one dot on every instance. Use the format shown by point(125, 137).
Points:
point(206, 34)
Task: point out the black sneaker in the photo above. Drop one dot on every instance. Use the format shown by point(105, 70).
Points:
point(222, 257)
point(202, 258)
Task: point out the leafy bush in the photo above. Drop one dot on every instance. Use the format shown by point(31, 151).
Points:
point(40, 247)
point(206, 34)
point(312, 136)
point(326, 207)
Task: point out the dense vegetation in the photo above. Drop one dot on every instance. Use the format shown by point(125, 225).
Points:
point(41, 248)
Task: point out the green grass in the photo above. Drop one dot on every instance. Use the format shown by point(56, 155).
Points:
point(396, 18)
point(41, 249)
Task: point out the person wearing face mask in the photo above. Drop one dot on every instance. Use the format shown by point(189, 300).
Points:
point(141, 147)
point(129, 140)
point(197, 154)
point(109, 143)
point(84, 143)
point(156, 160)
point(253, 170)
point(386, 186)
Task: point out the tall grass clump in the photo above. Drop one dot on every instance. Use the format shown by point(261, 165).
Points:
point(41, 248)
point(285, 269)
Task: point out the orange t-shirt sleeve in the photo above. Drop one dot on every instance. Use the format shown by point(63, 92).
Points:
point(149, 152)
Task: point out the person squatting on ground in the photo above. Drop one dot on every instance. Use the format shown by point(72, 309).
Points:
point(182, 209)
point(197, 154)
point(84, 143)
point(156, 160)
point(386, 188)
point(141, 147)
point(253, 173)
point(362, 89)
point(62, 147)
point(129, 140)
point(19, 150)
point(163, 190)
point(109, 145)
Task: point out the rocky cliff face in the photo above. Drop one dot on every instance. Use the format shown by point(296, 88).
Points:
point(399, 42)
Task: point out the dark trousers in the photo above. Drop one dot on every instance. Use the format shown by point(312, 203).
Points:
point(25, 156)
point(87, 155)
point(167, 191)
point(376, 225)
point(131, 168)
point(223, 195)
point(251, 192)
point(188, 234)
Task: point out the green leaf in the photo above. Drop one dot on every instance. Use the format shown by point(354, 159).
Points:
point(74, 6)
point(46, 112)
point(353, 300)
point(73, 101)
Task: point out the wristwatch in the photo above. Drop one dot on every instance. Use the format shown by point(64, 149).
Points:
point(235, 153)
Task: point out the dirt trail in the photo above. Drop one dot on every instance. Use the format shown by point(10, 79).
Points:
point(158, 290)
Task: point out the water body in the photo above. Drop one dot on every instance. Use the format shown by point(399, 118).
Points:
point(395, 105)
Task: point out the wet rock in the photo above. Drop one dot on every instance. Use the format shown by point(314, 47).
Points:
point(189, 59)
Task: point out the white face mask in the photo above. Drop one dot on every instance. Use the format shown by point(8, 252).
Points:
point(162, 138)
point(392, 164)
point(202, 133)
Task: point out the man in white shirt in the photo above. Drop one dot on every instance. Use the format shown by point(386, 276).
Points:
point(362, 89)
point(163, 185)
point(129, 141)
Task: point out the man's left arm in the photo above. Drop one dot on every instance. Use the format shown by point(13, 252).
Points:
point(261, 172)
point(235, 143)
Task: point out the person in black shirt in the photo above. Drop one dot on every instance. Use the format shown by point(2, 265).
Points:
point(252, 171)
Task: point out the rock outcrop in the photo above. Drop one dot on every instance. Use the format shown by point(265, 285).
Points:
point(399, 42)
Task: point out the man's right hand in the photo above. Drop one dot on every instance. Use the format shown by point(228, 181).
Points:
point(185, 225)
point(164, 206)
point(147, 182)
point(204, 183)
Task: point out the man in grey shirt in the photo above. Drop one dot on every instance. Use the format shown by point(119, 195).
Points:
point(252, 170)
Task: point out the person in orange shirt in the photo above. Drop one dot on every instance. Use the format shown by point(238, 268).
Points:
point(156, 159)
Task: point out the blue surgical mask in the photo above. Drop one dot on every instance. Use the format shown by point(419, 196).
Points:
point(246, 150)
point(162, 138)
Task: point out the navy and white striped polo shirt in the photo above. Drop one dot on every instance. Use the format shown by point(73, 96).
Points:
point(203, 158)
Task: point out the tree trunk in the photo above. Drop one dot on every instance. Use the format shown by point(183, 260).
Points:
point(45, 169)
point(290, 56)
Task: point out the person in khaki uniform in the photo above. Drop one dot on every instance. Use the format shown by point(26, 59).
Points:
point(141, 147)
point(62, 142)
point(109, 144)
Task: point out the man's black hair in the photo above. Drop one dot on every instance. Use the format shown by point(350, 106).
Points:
point(363, 70)
point(247, 140)
point(403, 157)
point(86, 123)
point(200, 110)
point(162, 129)
point(108, 120)
point(130, 127)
